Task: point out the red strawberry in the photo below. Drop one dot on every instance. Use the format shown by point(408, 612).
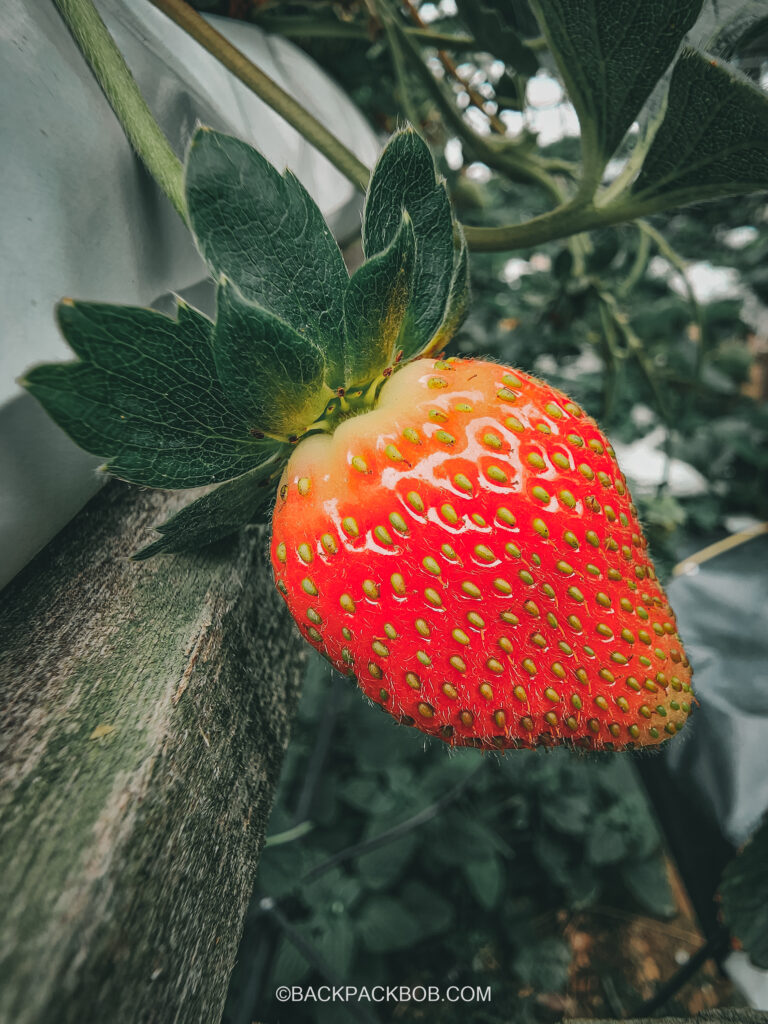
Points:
point(455, 534)
point(469, 550)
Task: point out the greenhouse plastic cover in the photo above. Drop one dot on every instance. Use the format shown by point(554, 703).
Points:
point(710, 786)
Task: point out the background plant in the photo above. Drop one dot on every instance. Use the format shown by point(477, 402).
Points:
point(391, 863)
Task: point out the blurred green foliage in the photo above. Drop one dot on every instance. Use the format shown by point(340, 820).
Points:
point(466, 890)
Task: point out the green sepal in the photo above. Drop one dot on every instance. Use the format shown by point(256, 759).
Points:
point(375, 307)
point(713, 140)
point(405, 179)
point(146, 397)
point(611, 53)
point(458, 298)
point(265, 233)
point(183, 402)
point(272, 374)
point(218, 513)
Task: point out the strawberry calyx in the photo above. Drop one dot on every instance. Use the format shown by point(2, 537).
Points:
point(297, 346)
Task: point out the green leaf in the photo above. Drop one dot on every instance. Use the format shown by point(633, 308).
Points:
point(264, 231)
point(606, 842)
point(270, 372)
point(335, 887)
point(383, 865)
point(457, 305)
point(217, 514)
point(435, 913)
point(648, 882)
point(405, 179)
point(336, 942)
point(485, 877)
point(386, 925)
point(744, 896)
point(713, 140)
point(611, 53)
point(459, 840)
point(491, 23)
point(146, 397)
point(375, 305)
point(289, 966)
point(568, 811)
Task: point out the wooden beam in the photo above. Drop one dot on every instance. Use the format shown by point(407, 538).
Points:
point(146, 708)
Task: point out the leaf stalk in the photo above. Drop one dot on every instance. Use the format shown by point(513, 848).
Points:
point(113, 75)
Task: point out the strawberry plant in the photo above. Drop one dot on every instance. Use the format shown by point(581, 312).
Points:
point(448, 528)
point(420, 490)
point(455, 534)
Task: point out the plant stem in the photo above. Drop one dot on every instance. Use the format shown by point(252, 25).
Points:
point(397, 831)
point(289, 835)
point(568, 219)
point(301, 27)
point(564, 220)
point(266, 89)
point(398, 64)
point(677, 261)
point(713, 949)
point(637, 269)
point(719, 548)
point(119, 86)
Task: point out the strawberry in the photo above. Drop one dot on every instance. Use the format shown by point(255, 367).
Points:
point(454, 533)
point(470, 551)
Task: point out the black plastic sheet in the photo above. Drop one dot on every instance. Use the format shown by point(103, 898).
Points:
point(710, 786)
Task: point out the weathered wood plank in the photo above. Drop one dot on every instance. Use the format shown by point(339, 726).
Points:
point(145, 711)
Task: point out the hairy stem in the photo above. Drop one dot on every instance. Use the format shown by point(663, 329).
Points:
point(112, 73)
point(569, 219)
point(266, 89)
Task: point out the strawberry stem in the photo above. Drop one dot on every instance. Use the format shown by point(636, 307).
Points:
point(119, 86)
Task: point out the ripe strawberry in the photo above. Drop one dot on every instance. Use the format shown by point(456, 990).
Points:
point(469, 550)
point(455, 534)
